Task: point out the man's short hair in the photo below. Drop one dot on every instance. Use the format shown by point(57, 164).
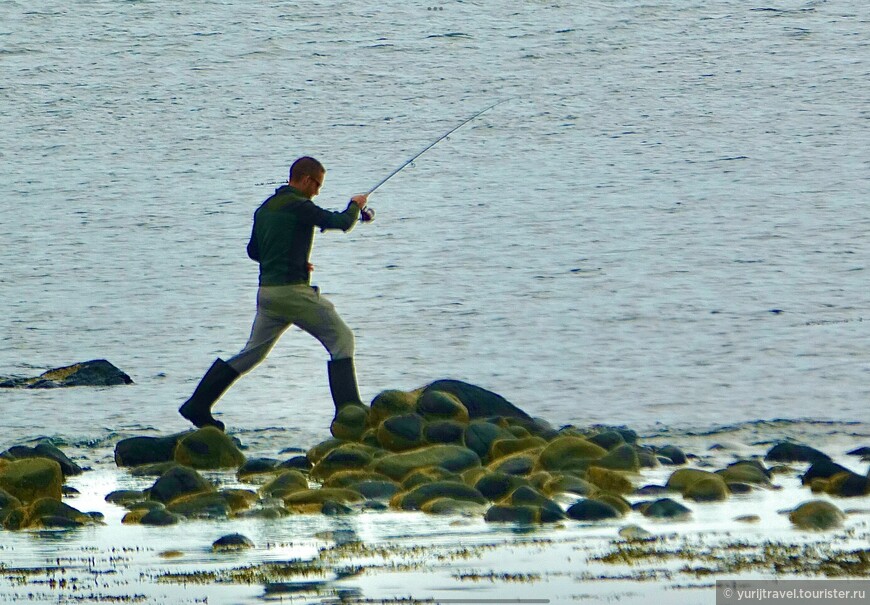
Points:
point(306, 166)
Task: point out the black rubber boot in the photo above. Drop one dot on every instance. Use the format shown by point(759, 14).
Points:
point(342, 382)
point(216, 381)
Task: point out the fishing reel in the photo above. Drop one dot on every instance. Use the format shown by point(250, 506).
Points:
point(366, 214)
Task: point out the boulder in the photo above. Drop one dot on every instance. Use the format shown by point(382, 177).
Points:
point(7, 500)
point(300, 501)
point(453, 458)
point(95, 373)
point(285, 484)
point(620, 458)
point(257, 466)
point(137, 451)
point(211, 505)
point(680, 480)
point(522, 463)
point(449, 506)
point(817, 515)
point(391, 403)
point(479, 402)
point(665, 508)
point(177, 482)
point(428, 475)
point(125, 496)
point(592, 510)
point(707, 489)
point(672, 454)
point(232, 542)
point(745, 471)
point(157, 517)
point(32, 478)
point(480, 435)
point(440, 405)
point(609, 481)
point(607, 439)
point(348, 456)
point(525, 514)
point(44, 449)
point(526, 495)
point(52, 513)
point(350, 422)
point(823, 469)
point(444, 431)
point(568, 484)
point(376, 489)
point(506, 447)
point(420, 495)
point(401, 432)
point(848, 485)
point(569, 452)
point(496, 485)
point(208, 448)
point(787, 451)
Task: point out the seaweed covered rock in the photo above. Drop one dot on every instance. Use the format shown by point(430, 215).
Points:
point(350, 422)
point(46, 513)
point(592, 510)
point(441, 405)
point(137, 451)
point(208, 448)
point(665, 508)
point(391, 403)
point(94, 373)
point(419, 496)
point(44, 449)
point(479, 402)
point(32, 478)
point(177, 482)
point(449, 457)
point(817, 515)
point(787, 451)
point(401, 432)
point(569, 452)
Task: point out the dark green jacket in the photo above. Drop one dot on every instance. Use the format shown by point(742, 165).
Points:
point(284, 233)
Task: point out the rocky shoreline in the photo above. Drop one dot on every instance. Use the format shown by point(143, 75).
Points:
point(449, 448)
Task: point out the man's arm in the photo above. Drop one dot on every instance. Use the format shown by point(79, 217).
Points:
point(253, 248)
point(326, 219)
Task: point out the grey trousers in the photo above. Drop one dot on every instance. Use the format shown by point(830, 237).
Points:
point(278, 308)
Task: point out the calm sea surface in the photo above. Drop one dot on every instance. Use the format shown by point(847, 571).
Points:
point(664, 223)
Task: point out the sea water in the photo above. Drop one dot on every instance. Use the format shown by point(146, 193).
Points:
point(662, 224)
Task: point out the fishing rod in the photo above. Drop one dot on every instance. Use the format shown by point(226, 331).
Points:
point(368, 214)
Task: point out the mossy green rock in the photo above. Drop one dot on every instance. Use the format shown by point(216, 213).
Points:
point(316, 453)
point(707, 489)
point(48, 512)
point(520, 464)
point(392, 403)
point(496, 485)
point(350, 422)
point(506, 447)
point(252, 467)
point(848, 485)
point(201, 506)
point(745, 472)
point(320, 496)
point(525, 514)
point(621, 458)
point(208, 448)
point(348, 456)
point(125, 496)
point(569, 452)
point(375, 489)
point(177, 482)
point(607, 439)
point(568, 484)
point(137, 451)
point(420, 495)
point(285, 484)
point(159, 517)
point(444, 431)
point(449, 506)
point(672, 454)
point(44, 449)
point(428, 475)
point(665, 508)
point(480, 435)
point(592, 510)
point(453, 458)
point(31, 479)
point(526, 495)
point(438, 405)
point(609, 480)
point(402, 432)
point(7, 500)
point(817, 515)
point(682, 479)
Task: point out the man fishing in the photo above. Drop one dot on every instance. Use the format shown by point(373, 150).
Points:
point(281, 243)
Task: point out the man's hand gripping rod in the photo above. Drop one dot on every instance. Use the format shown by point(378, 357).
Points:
point(367, 214)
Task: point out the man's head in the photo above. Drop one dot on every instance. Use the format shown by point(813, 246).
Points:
point(307, 175)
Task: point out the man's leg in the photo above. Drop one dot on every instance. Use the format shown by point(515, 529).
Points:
point(317, 316)
point(222, 374)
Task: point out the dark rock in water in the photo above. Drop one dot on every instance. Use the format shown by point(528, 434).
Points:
point(795, 452)
point(208, 448)
point(817, 515)
point(674, 454)
point(525, 495)
point(31, 479)
point(257, 466)
point(160, 517)
point(95, 373)
point(299, 463)
point(44, 450)
point(479, 402)
point(179, 481)
point(823, 469)
point(665, 508)
point(848, 485)
point(136, 451)
point(592, 510)
point(608, 439)
point(420, 495)
point(497, 485)
point(439, 405)
point(523, 514)
point(864, 452)
point(232, 542)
